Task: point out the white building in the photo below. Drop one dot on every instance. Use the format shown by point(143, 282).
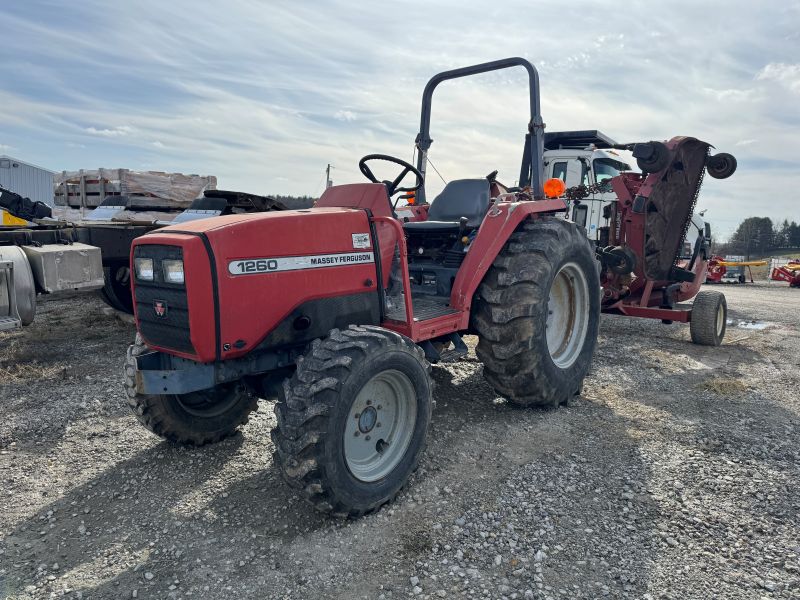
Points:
point(26, 179)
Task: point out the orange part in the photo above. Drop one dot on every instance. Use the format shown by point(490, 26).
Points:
point(553, 188)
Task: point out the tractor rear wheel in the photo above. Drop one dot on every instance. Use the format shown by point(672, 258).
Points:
point(193, 419)
point(537, 314)
point(352, 420)
point(709, 318)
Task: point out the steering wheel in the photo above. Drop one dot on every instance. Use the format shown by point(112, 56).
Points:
point(391, 186)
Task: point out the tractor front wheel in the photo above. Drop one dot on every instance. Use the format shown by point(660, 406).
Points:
point(537, 314)
point(193, 419)
point(353, 418)
point(709, 318)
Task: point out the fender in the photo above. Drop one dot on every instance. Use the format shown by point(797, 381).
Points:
point(497, 226)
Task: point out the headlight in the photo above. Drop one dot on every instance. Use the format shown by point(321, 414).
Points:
point(144, 268)
point(173, 271)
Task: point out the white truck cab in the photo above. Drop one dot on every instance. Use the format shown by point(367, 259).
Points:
point(587, 158)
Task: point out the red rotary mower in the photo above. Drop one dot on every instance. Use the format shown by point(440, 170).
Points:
point(339, 309)
point(645, 273)
point(790, 273)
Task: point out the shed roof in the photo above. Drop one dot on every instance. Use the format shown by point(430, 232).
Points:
point(25, 162)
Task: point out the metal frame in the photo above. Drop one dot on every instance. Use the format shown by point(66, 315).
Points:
point(12, 320)
point(160, 373)
point(531, 170)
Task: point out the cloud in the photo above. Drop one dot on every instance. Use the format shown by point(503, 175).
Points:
point(301, 85)
point(111, 133)
point(787, 75)
point(733, 95)
point(345, 115)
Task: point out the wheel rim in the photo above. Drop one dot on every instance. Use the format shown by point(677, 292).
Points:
point(567, 315)
point(208, 403)
point(720, 319)
point(380, 425)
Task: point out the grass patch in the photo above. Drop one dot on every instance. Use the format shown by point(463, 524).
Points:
point(725, 386)
point(30, 371)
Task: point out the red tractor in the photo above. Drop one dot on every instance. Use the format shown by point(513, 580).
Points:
point(339, 310)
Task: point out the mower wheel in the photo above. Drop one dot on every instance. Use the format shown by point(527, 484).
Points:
point(537, 314)
point(116, 291)
point(193, 419)
point(652, 157)
point(721, 166)
point(709, 318)
point(352, 420)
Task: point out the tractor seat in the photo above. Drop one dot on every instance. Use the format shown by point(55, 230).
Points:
point(460, 198)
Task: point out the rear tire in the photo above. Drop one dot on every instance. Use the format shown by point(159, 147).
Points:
point(709, 318)
point(545, 275)
point(116, 290)
point(340, 397)
point(193, 419)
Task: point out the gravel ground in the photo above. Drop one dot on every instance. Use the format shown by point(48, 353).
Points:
point(674, 476)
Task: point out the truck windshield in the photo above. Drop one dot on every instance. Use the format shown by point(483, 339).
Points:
point(606, 168)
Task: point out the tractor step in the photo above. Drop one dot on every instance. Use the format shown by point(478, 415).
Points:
point(425, 308)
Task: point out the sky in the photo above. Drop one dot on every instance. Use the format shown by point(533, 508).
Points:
point(264, 94)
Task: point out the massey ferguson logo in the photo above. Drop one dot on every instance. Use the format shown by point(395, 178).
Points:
point(160, 308)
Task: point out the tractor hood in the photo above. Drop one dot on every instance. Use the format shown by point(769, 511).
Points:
point(273, 279)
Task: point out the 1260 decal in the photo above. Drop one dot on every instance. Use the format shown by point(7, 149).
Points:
point(253, 266)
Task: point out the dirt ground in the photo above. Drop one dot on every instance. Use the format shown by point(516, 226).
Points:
point(675, 475)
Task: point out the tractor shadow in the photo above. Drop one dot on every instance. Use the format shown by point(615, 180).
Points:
point(728, 413)
point(478, 436)
point(154, 509)
point(63, 368)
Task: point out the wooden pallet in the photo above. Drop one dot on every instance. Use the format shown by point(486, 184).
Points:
point(142, 189)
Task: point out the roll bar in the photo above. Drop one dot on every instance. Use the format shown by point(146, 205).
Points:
point(531, 172)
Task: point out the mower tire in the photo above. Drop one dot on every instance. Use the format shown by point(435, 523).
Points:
point(709, 318)
point(116, 291)
point(721, 166)
point(537, 313)
point(353, 418)
point(193, 419)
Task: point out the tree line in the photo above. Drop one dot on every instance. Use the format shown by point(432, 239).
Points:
point(759, 236)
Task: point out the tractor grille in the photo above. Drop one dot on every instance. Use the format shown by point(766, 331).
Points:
point(172, 330)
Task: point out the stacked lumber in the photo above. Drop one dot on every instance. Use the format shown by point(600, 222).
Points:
point(143, 190)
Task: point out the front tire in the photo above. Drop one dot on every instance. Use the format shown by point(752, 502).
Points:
point(709, 318)
point(193, 419)
point(353, 418)
point(537, 314)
